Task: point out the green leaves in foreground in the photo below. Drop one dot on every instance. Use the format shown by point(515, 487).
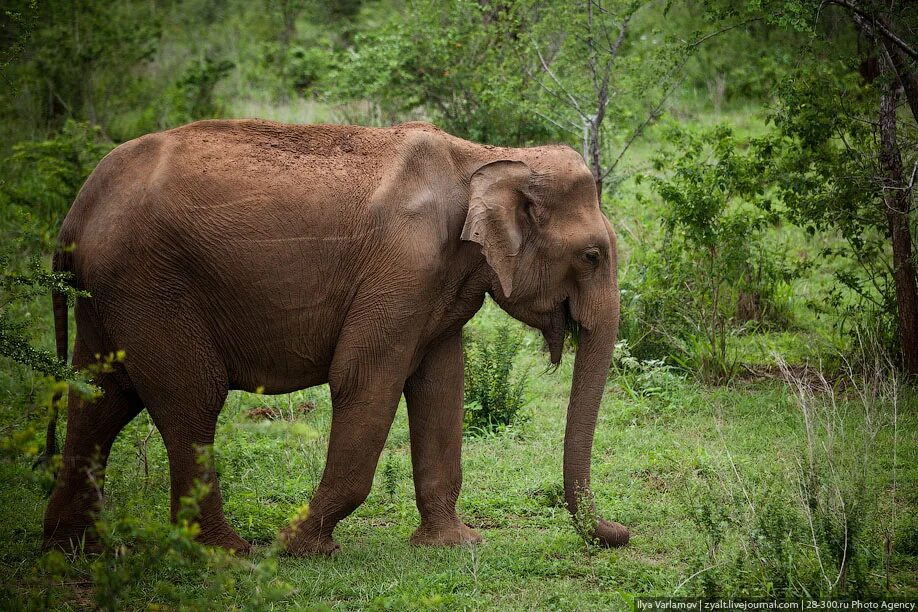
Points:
point(156, 562)
point(493, 390)
point(18, 288)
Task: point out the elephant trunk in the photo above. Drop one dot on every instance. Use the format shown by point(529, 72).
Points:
point(591, 368)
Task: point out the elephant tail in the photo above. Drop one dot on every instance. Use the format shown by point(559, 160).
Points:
point(60, 263)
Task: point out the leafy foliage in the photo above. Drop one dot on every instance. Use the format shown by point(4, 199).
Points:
point(715, 273)
point(194, 91)
point(17, 288)
point(43, 179)
point(98, 42)
point(825, 175)
point(135, 551)
point(494, 391)
point(459, 61)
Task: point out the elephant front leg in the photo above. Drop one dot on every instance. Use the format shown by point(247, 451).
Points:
point(364, 401)
point(434, 395)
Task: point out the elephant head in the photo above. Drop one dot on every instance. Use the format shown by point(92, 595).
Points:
point(553, 257)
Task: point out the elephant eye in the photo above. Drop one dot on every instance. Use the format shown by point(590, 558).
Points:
point(591, 256)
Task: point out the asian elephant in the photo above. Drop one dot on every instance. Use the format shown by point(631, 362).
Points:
point(259, 256)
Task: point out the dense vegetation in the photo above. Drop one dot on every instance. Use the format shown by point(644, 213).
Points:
point(760, 428)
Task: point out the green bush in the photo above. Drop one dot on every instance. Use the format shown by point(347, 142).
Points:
point(493, 390)
point(192, 96)
point(41, 179)
point(305, 67)
point(714, 274)
point(460, 63)
point(160, 562)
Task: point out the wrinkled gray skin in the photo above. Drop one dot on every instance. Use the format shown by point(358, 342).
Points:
point(246, 254)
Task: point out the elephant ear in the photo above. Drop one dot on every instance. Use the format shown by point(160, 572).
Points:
point(497, 219)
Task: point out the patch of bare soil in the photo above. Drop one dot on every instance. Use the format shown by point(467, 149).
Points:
point(773, 372)
point(270, 413)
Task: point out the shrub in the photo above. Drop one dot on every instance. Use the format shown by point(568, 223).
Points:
point(160, 562)
point(305, 67)
point(714, 273)
point(649, 378)
point(41, 180)
point(192, 96)
point(135, 552)
point(43, 177)
point(493, 391)
point(438, 58)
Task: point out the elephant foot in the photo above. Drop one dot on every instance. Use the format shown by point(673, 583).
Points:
point(71, 537)
point(84, 544)
point(451, 534)
point(225, 537)
point(300, 542)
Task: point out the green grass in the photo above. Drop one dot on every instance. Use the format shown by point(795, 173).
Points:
point(655, 460)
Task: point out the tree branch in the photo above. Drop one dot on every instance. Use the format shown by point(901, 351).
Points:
point(571, 99)
point(900, 68)
point(656, 111)
point(878, 23)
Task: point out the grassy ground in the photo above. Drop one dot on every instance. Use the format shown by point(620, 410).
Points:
point(661, 462)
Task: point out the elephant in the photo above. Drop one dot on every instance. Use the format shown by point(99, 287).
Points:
point(259, 256)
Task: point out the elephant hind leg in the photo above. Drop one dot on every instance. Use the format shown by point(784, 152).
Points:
point(183, 385)
point(187, 445)
point(92, 426)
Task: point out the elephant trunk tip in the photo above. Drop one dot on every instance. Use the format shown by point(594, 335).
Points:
point(589, 525)
point(611, 534)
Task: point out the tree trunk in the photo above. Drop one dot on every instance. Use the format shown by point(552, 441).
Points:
point(899, 64)
point(896, 198)
point(596, 159)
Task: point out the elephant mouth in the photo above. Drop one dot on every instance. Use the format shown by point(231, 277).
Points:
point(560, 323)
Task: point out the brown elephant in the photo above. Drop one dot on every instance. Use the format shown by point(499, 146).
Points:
point(253, 255)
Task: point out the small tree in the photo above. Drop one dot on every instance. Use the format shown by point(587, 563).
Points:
point(714, 196)
point(602, 32)
point(456, 62)
point(592, 71)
